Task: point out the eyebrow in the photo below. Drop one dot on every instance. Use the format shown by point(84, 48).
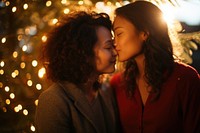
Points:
point(116, 28)
point(108, 41)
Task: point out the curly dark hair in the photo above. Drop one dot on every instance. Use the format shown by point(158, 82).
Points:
point(68, 53)
point(157, 48)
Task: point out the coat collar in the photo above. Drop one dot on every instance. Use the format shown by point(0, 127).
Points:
point(82, 104)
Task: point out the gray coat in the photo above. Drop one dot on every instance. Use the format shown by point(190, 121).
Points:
point(63, 108)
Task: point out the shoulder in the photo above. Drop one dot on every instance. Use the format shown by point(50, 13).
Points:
point(116, 78)
point(186, 71)
point(188, 79)
point(54, 95)
point(54, 90)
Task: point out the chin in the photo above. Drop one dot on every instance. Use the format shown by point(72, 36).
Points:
point(123, 58)
point(110, 71)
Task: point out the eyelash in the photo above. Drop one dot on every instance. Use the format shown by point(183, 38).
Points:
point(118, 34)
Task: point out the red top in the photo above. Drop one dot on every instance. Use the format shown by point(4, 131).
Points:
point(176, 111)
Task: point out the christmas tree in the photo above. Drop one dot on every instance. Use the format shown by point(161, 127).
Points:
point(23, 29)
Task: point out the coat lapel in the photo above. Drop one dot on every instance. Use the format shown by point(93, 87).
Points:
point(107, 106)
point(80, 101)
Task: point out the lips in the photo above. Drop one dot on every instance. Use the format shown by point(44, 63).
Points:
point(113, 61)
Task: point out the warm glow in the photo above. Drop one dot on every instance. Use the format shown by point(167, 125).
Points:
point(44, 38)
point(25, 112)
point(7, 89)
point(32, 128)
point(8, 101)
point(15, 54)
point(24, 48)
point(3, 40)
point(55, 21)
point(18, 108)
point(1, 71)
point(1, 85)
point(168, 12)
point(7, 3)
point(66, 11)
point(29, 82)
point(22, 65)
point(38, 86)
point(2, 63)
point(19, 38)
point(13, 74)
point(36, 102)
point(12, 95)
point(41, 72)
point(14, 9)
point(34, 63)
point(25, 6)
point(80, 2)
point(63, 1)
point(48, 3)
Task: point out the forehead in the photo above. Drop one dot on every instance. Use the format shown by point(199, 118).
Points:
point(103, 33)
point(121, 23)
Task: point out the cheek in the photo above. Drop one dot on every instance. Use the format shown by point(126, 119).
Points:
point(102, 58)
point(129, 47)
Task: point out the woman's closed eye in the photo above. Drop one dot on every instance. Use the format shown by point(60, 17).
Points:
point(109, 46)
point(118, 34)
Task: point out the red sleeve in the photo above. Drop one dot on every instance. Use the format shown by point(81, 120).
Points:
point(189, 84)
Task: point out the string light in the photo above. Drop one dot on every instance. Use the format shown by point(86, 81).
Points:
point(44, 38)
point(36, 102)
point(34, 63)
point(15, 54)
point(38, 86)
point(7, 3)
point(48, 3)
point(14, 9)
point(25, 6)
point(12, 95)
point(7, 89)
point(63, 1)
point(22, 65)
point(41, 72)
point(66, 11)
point(2, 63)
point(1, 71)
point(80, 2)
point(3, 40)
point(32, 128)
point(7, 101)
point(25, 112)
point(24, 48)
point(29, 82)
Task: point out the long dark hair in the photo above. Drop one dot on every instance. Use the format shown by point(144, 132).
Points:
point(69, 50)
point(158, 50)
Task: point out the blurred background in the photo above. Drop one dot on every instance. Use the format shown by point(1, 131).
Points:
point(23, 28)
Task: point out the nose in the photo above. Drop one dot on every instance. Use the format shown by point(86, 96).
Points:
point(114, 52)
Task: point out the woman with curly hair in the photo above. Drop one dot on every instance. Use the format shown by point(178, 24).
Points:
point(78, 50)
point(155, 93)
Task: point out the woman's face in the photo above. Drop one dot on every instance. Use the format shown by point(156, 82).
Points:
point(128, 40)
point(104, 51)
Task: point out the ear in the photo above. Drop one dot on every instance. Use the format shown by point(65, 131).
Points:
point(144, 35)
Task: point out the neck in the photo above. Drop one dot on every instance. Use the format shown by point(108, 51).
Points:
point(140, 64)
